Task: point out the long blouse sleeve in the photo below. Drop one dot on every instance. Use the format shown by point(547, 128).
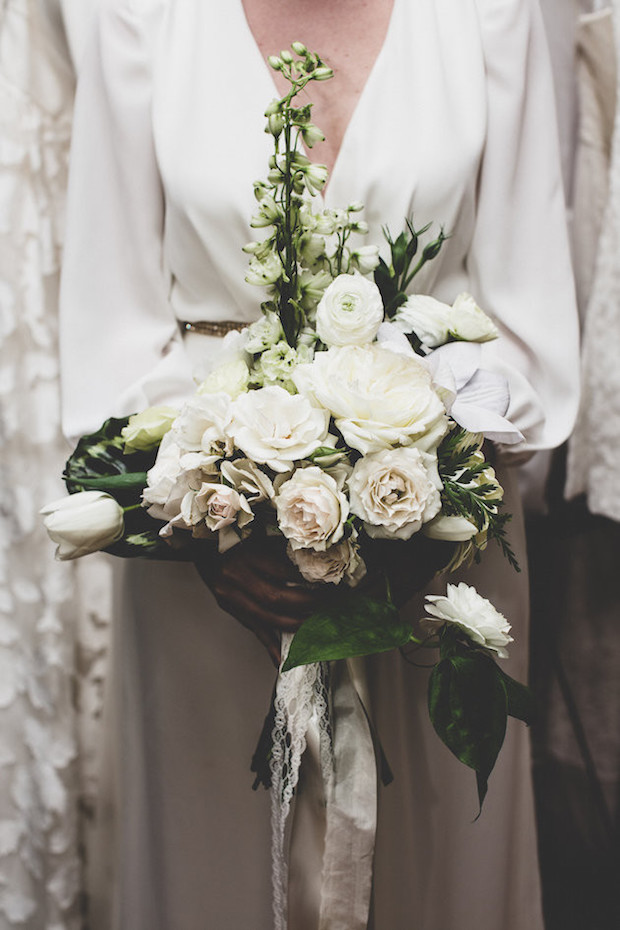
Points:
point(121, 349)
point(519, 262)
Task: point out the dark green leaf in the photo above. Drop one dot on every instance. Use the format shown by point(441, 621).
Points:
point(357, 626)
point(100, 462)
point(467, 706)
point(520, 701)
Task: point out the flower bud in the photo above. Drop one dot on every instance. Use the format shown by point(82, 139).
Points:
point(299, 48)
point(146, 430)
point(274, 107)
point(83, 523)
point(286, 56)
point(312, 134)
point(315, 178)
point(323, 73)
point(450, 529)
point(275, 124)
point(275, 63)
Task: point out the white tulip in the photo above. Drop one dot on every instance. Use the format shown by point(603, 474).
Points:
point(83, 523)
point(450, 528)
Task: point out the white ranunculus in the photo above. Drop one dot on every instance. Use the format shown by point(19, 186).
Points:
point(276, 428)
point(201, 426)
point(425, 316)
point(450, 528)
point(349, 312)
point(341, 562)
point(232, 378)
point(379, 399)
point(395, 492)
point(472, 613)
point(83, 523)
point(146, 429)
point(311, 509)
point(469, 323)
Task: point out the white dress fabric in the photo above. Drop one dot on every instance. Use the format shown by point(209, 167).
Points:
point(455, 124)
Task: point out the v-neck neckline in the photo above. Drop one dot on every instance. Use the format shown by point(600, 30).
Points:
point(370, 77)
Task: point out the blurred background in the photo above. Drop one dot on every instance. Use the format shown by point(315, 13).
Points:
point(54, 629)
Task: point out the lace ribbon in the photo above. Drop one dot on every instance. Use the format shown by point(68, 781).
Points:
point(325, 703)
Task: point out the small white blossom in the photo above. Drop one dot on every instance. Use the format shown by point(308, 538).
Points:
point(477, 617)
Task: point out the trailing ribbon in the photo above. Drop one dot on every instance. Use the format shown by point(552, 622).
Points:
point(323, 705)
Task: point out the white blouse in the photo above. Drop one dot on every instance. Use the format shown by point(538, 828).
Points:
point(455, 125)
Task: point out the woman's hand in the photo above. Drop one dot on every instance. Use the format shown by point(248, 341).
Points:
point(258, 584)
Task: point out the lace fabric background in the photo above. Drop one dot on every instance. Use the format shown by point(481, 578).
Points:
point(52, 646)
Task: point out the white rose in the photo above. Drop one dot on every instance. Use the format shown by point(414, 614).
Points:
point(146, 429)
point(231, 378)
point(427, 317)
point(477, 617)
point(174, 474)
point(395, 491)
point(341, 562)
point(246, 477)
point(378, 398)
point(202, 423)
point(469, 323)
point(311, 509)
point(450, 528)
point(349, 312)
point(83, 523)
point(276, 428)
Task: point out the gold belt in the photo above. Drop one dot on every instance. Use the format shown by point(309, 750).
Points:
point(212, 328)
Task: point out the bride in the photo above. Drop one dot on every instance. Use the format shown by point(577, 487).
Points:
point(440, 108)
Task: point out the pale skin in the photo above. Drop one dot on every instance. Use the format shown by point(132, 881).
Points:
point(255, 581)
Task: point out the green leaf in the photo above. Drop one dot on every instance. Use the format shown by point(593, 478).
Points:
point(357, 626)
point(467, 707)
point(520, 701)
point(100, 462)
point(124, 482)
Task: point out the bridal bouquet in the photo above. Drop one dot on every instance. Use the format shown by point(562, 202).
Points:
point(352, 411)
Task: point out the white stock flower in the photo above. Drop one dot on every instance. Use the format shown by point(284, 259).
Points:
point(472, 613)
point(276, 428)
point(341, 562)
point(469, 323)
point(83, 523)
point(311, 508)
point(146, 429)
point(201, 425)
point(450, 528)
point(395, 491)
point(366, 258)
point(232, 378)
point(276, 365)
point(349, 312)
point(425, 316)
point(264, 272)
point(264, 333)
point(378, 398)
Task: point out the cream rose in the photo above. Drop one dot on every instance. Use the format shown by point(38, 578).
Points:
point(395, 492)
point(311, 509)
point(349, 312)
point(276, 428)
point(144, 430)
point(379, 399)
point(341, 562)
point(477, 617)
point(218, 509)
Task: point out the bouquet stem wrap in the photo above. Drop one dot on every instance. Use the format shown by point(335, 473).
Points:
point(319, 711)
